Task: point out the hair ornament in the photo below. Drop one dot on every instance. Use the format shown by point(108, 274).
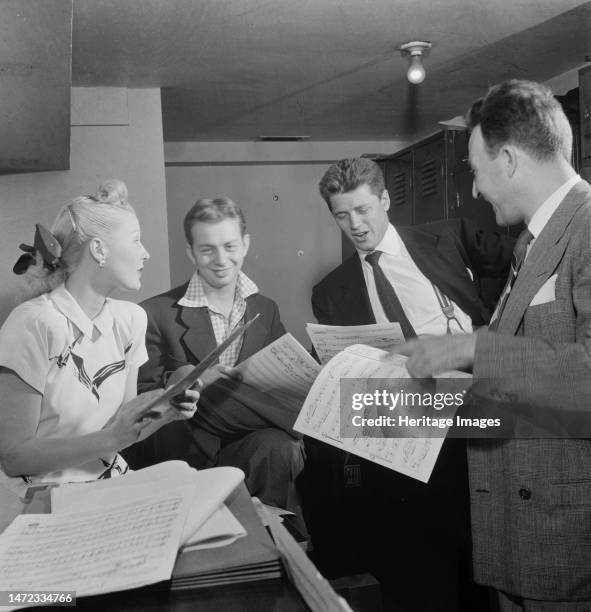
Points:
point(46, 245)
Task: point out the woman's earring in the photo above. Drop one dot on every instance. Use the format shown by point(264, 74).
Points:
point(102, 263)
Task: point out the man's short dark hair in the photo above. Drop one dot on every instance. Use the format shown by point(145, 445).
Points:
point(212, 210)
point(525, 114)
point(348, 174)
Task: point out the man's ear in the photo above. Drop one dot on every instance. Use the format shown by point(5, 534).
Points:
point(386, 200)
point(98, 249)
point(246, 241)
point(509, 158)
point(189, 252)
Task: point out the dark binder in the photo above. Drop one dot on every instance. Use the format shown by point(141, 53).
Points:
point(249, 559)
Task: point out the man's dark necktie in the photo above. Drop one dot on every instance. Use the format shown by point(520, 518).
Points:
point(390, 302)
point(516, 262)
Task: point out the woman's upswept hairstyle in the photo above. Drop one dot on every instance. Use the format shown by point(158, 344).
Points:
point(84, 218)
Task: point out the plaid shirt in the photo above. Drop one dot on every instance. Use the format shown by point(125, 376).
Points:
point(222, 327)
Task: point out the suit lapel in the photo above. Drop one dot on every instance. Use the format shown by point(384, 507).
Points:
point(354, 298)
point(199, 337)
point(443, 269)
point(255, 335)
point(542, 260)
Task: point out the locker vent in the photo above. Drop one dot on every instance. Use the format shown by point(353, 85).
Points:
point(398, 193)
point(429, 178)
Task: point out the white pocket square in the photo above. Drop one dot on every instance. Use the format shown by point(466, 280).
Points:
point(547, 292)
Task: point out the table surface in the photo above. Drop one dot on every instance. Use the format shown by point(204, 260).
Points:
point(277, 595)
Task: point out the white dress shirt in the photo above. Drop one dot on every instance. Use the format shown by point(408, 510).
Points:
point(546, 210)
point(414, 290)
point(537, 223)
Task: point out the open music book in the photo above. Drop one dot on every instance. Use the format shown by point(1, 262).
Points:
point(208, 519)
point(107, 536)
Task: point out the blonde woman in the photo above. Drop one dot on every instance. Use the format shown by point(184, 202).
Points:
point(69, 356)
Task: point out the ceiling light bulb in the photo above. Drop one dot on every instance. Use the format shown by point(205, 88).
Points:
point(415, 51)
point(416, 72)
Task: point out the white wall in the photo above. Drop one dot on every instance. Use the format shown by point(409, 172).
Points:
point(294, 240)
point(116, 133)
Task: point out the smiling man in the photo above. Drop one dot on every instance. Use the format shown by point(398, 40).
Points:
point(234, 424)
point(530, 498)
point(427, 278)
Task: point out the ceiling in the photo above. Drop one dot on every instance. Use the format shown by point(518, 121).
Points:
point(35, 82)
point(234, 70)
point(328, 69)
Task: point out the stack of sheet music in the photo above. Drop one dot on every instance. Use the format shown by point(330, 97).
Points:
point(116, 534)
point(248, 559)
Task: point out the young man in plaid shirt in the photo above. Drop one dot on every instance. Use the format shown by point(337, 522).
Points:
point(234, 424)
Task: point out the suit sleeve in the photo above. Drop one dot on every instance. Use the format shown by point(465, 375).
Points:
point(152, 373)
point(320, 307)
point(276, 328)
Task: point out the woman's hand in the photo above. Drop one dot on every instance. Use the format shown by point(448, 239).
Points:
point(132, 418)
point(135, 421)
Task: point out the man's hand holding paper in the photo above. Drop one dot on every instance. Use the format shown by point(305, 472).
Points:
point(436, 354)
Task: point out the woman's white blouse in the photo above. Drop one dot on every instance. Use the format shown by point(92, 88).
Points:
point(78, 365)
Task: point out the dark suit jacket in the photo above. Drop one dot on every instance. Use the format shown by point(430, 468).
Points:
point(442, 251)
point(178, 335)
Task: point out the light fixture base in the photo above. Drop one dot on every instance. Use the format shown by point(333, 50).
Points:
point(415, 51)
point(416, 47)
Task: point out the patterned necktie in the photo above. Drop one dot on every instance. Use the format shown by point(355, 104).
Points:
point(516, 262)
point(388, 298)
